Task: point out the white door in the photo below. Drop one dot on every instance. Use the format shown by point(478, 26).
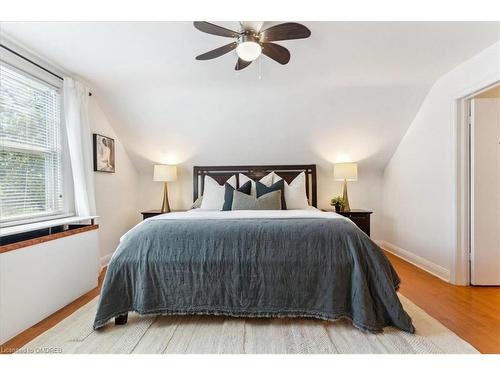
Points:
point(485, 192)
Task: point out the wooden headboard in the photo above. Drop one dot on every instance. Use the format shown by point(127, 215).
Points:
point(256, 172)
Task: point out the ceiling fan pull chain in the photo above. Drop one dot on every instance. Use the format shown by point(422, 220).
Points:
point(260, 67)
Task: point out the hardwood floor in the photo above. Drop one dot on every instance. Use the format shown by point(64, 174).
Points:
point(473, 313)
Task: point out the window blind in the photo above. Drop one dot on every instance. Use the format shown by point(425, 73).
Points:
point(30, 147)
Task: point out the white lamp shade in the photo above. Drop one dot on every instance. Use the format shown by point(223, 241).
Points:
point(164, 172)
point(345, 171)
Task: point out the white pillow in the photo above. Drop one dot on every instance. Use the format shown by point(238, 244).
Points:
point(295, 192)
point(266, 180)
point(213, 193)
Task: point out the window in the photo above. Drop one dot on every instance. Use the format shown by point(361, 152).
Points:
point(31, 184)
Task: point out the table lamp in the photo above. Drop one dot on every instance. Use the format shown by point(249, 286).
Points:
point(345, 172)
point(165, 173)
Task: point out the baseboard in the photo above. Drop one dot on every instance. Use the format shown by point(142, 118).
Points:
point(416, 260)
point(105, 260)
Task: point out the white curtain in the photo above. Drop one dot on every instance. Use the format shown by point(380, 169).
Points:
point(76, 102)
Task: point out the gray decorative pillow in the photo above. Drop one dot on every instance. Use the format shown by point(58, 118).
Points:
point(269, 201)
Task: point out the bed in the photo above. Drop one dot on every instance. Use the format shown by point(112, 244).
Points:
point(277, 263)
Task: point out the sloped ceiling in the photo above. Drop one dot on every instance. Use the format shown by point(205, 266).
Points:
point(349, 92)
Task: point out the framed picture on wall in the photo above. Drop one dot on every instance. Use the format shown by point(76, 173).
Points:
point(104, 154)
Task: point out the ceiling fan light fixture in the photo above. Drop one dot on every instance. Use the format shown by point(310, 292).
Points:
point(248, 51)
point(248, 48)
point(250, 44)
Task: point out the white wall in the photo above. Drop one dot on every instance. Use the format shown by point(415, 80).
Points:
point(324, 126)
point(419, 180)
point(116, 193)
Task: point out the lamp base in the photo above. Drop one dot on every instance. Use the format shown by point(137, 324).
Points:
point(345, 198)
point(165, 207)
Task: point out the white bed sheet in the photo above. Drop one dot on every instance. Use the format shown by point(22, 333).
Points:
point(200, 214)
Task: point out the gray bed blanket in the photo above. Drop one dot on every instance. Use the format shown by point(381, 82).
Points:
point(253, 267)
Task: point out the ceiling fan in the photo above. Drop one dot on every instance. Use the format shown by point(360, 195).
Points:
point(250, 44)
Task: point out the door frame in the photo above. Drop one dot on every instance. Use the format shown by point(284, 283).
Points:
point(460, 262)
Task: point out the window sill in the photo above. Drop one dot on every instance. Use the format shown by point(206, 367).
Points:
point(16, 229)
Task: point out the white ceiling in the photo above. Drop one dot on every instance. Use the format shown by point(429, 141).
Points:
point(350, 91)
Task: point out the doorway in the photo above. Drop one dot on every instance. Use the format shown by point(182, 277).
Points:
point(484, 187)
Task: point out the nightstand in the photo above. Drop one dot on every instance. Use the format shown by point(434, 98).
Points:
point(360, 217)
point(150, 213)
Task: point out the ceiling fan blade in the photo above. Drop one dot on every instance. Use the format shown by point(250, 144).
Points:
point(285, 31)
point(276, 52)
point(241, 64)
point(217, 52)
point(210, 28)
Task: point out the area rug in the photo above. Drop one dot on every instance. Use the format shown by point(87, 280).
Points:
point(205, 334)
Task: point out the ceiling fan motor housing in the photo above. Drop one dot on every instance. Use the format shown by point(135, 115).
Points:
point(249, 36)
